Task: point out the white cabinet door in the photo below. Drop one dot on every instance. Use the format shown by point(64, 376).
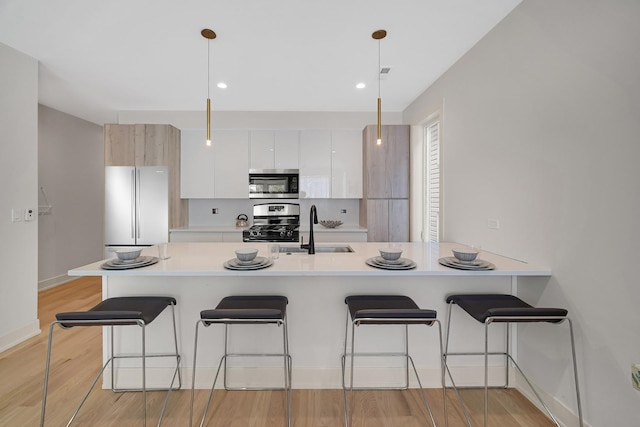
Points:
point(261, 155)
point(231, 164)
point(346, 164)
point(286, 143)
point(196, 165)
point(315, 164)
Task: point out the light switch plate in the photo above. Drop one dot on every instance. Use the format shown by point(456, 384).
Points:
point(16, 215)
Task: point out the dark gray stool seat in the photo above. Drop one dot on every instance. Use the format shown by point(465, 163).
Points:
point(501, 307)
point(246, 309)
point(120, 311)
point(386, 310)
point(505, 308)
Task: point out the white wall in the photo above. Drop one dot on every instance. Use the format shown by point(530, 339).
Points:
point(541, 131)
point(19, 177)
point(71, 171)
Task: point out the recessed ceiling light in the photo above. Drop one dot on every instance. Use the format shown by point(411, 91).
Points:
point(360, 86)
point(222, 85)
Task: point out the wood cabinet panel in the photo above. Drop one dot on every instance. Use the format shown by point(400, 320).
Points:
point(386, 166)
point(384, 209)
point(398, 220)
point(119, 145)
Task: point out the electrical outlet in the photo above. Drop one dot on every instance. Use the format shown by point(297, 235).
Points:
point(493, 223)
point(635, 376)
point(29, 214)
point(214, 211)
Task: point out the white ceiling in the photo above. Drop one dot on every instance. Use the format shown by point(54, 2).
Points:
point(100, 57)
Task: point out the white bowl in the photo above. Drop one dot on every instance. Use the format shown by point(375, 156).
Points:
point(390, 254)
point(330, 223)
point(246, 254)
point(465, 254)
point(128, 254)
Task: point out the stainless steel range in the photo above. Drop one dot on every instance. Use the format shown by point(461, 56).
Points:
point(274, 222)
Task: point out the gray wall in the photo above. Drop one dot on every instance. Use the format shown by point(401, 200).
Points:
point(540, 131)
point(71, 171)
point(19, 177)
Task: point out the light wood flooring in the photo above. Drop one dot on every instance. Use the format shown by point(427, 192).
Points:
point(78, 356)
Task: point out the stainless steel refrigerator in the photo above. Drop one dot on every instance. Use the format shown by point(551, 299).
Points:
point(136, 207)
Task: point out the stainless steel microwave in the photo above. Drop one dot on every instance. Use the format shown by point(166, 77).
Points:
point(273, 183)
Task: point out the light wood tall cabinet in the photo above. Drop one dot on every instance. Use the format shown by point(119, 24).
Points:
point(149, 145)
point(384, 208)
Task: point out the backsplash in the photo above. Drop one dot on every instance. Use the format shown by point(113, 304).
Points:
point(200, 210)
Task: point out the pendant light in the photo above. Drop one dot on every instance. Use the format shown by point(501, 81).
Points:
point(209, 35)
point(379, 35)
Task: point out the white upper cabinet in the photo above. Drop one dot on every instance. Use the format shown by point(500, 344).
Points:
point(196, 165)
point(330, 162)
point(286, 153)
point(315, 164)
point(231, 164)
point(273, 149)
point(220, 171)
point(261, 151)
point(346, 164)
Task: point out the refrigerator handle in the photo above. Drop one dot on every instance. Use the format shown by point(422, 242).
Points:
point(138, 203)
point(133, 203)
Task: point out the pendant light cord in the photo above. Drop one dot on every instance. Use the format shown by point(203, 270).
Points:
point(379, 74)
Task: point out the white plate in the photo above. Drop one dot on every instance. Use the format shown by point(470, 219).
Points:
point(257, 260)
point(381, 260)
point(116, 264)
point(140, 259)
point(478, 264)
point(233, 264)
point(406, 264)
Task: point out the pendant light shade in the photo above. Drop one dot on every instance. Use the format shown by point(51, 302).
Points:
point(379, 35)
point(209, 35)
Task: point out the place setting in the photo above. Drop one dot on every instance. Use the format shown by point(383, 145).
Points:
point(247, 259)
point(391, 259)
point(128, 259)
point(466, 259)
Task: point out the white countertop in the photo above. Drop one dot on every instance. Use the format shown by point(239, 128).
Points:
point(206, 259)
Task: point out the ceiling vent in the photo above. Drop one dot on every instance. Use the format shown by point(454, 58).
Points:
point(384, 72)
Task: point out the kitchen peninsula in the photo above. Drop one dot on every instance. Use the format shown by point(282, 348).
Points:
point(316, 286)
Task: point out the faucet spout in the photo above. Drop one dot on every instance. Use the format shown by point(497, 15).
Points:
point(313, 219)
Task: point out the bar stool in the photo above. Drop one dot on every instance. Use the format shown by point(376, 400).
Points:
point(500, 308)
point(388, 310)
point(246, 309)
point(120, 311)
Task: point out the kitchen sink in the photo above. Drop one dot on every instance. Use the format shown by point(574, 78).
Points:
point(319, 249)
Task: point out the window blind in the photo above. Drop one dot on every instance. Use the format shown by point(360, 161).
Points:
point(432, 182)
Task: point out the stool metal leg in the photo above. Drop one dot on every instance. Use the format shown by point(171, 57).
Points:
point(408, 360)
point(509, 359)
point(222, 366)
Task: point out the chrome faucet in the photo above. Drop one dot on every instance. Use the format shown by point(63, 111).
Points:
point(313, 219)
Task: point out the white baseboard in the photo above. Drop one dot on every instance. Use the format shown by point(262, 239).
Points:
point(54, 281)
point(19, 335)
point(564, 415)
